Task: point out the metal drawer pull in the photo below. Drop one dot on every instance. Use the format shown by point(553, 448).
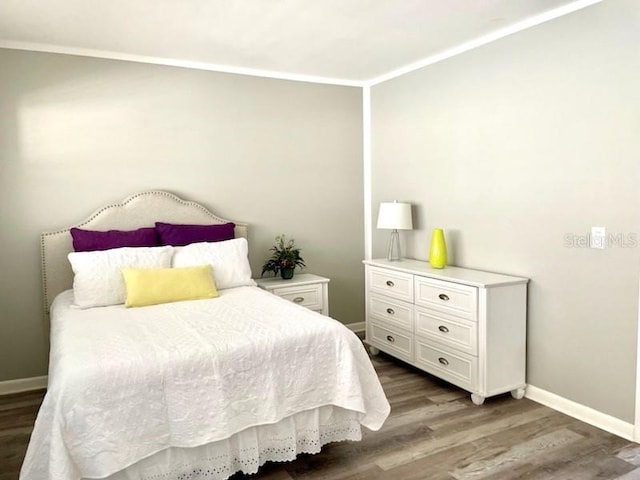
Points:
point(390, 338)
point(390, 311)
point(390, 283)
point(443, 329)
point(298, 300)
point(444, 297)
point(443, 361)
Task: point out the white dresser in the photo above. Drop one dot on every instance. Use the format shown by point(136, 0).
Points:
point(306, 289)
point(467, 327)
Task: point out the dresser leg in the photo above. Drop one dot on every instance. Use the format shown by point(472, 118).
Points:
point(518, 393)
point(373, 350)
point(477, 399)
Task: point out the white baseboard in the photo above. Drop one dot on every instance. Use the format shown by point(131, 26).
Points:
point(356, 327)
point(20, 385)
point(581, 412)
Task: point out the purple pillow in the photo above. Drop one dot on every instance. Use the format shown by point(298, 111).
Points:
point(91, 240)
point(180, 235)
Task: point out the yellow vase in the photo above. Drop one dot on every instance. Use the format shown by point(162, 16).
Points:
point(438, 250)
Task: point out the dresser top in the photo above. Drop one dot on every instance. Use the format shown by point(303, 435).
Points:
point(465, 276)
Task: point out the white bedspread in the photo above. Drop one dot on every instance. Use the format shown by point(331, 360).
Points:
point(127, 383)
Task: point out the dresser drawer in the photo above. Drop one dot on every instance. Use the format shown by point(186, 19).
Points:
point(393, 284)
point(394, 341)
point(447, 297)
point(448, 330)
point(389, 311)
point(309, 296)
point(455, 367)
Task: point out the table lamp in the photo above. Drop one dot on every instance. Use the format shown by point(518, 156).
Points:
point(394, 216)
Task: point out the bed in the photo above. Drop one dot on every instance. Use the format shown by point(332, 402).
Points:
point(192, 389)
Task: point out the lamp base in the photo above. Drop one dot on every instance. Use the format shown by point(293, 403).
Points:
point(394, 247)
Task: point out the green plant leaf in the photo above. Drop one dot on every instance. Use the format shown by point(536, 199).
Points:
point(284, 254)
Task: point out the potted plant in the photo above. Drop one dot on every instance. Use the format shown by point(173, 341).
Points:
point(285, 257)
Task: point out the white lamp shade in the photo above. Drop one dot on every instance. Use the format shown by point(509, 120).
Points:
point(395, 216)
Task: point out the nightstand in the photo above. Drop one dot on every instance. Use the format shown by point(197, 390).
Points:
point(306, 289)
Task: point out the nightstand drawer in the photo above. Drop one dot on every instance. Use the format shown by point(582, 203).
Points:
point(309, 296)
point(391, 340)
point(455, 367)
point(389, 311)
point(448, 330)
point(447, 297)
point(393, 284)
point(306, 289)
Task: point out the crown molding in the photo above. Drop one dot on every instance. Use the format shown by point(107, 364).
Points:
point(174, 62)
point(484, 40)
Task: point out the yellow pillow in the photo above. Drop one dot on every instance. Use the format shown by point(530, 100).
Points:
point(151, 286)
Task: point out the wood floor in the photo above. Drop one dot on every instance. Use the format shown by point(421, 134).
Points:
point(434, 432)
point(17, 414)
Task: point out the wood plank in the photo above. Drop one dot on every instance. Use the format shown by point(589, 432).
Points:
point(433, 445)
point(516, 455)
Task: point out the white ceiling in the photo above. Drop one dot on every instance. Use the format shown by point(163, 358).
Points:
point(336, 40)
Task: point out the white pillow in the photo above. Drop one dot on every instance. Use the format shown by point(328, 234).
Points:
point(228, 258)
point(98, 280)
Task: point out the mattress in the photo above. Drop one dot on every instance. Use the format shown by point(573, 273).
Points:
point(178, 383)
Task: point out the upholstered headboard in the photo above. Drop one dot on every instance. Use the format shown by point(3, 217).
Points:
point(140, 210)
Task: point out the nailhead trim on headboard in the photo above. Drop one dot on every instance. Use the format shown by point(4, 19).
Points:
point(196, 213)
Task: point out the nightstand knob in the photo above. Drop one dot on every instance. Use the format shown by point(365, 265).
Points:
point(443, 361)
point(390, 311)
point(298, 300)
point(443, 329)
point(444, 297)
point(390, 338)
point(390, 283)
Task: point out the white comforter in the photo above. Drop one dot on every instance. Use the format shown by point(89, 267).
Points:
point(127, 383)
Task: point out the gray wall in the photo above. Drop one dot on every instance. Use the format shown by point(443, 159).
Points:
point(76, 133)
point(511, 148)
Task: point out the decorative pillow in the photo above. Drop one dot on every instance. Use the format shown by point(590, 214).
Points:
point(179, 235)
point(229, 260)
point(151, 286)
point(92, 240)
point(98, 278)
